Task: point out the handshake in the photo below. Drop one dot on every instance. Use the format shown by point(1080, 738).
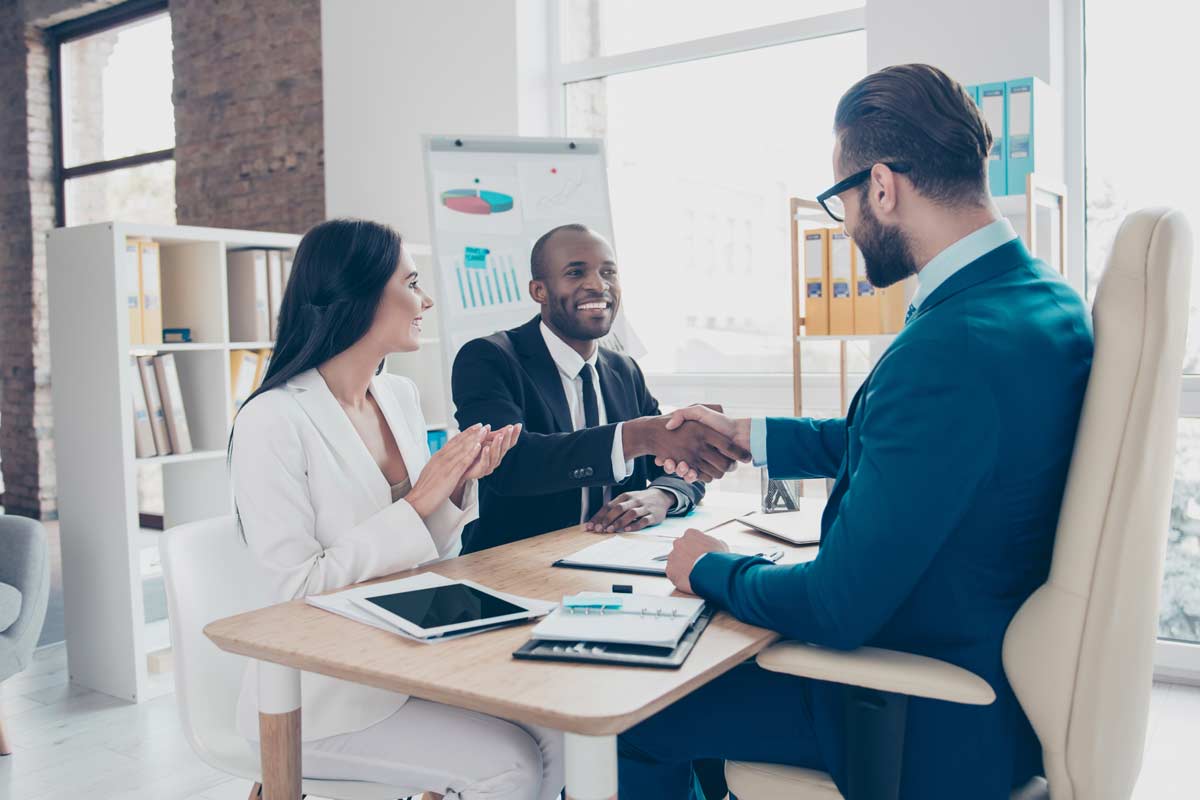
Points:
point(694, 443)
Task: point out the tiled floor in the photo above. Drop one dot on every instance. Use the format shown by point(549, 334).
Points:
point(72, 743)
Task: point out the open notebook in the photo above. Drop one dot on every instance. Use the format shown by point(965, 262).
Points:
point(643, 555)
point(641, 620)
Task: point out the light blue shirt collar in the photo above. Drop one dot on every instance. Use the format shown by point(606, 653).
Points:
point(958, 255)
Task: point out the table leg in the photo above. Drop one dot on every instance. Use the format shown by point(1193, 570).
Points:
point(279, 730)
point(591, 766)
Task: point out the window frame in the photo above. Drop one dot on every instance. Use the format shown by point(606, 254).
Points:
point(58, 35)
point(797, 30)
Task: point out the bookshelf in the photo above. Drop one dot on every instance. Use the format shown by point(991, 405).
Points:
point(1038, 216)
point(103, 547)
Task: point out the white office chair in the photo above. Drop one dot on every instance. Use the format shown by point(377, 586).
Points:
point(1079, 653)
point(209, 575)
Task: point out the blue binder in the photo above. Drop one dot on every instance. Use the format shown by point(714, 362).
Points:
point(1021, 144)
point(993, 100)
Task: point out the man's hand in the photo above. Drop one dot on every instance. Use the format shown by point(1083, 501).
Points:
point(632, 511)
point(686, 551)
point(707, 453)
point(736, 430)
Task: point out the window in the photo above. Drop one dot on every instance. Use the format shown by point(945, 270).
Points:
point(1138, 138)
point(592, 28)
point(705, 145)
point(114, 131)
point(115, 119)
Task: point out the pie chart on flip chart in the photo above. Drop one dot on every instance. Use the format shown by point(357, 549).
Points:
point(476, 201)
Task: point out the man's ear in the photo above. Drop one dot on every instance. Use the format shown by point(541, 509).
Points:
point(537, 290)
point(882, 189)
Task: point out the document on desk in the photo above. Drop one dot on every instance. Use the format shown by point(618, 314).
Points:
point(642, 620)
point(704, 517)
point(344, 603)
point(799, 527)
point(643, 555)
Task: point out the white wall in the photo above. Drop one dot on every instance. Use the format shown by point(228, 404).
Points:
point(971, 40)
point(397, 69)
point(977, 42)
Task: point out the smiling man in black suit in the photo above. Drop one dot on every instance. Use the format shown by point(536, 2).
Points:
point(591, 426)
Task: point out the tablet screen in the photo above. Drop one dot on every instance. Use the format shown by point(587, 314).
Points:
point(439, 606)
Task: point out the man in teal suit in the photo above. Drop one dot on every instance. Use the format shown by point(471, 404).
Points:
point(949, 465)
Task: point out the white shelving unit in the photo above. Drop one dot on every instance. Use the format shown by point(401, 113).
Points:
point(107, 636)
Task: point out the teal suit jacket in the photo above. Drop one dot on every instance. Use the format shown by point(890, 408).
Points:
point(950, 468)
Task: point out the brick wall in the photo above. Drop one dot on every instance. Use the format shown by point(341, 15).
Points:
point(249, 143)
point(249, 154)
point(27, 212)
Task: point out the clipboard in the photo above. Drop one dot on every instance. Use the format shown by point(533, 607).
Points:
point(629, 655)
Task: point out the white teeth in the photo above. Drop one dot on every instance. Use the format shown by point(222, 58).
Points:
point(588, 306)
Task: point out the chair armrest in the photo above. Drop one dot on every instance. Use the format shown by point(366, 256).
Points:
point(881, 670)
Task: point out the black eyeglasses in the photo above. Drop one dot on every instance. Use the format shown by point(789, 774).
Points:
point(833, 205)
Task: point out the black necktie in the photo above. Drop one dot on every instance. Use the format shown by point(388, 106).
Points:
point(591, 419)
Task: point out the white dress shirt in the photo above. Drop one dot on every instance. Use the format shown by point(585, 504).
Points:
point(569, 364)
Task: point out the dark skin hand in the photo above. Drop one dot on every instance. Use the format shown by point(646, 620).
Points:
point(709, 454)
point(632, 511)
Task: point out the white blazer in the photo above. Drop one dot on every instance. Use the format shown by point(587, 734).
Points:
point(318, 515)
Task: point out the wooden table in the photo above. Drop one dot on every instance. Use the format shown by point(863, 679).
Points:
point(590, 703)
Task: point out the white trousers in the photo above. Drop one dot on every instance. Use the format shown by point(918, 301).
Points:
point(430, 747)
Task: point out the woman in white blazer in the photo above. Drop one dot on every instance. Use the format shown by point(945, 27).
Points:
point(334, 484)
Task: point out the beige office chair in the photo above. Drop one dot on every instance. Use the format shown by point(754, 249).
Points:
point(1079, 653)
point(210, 574)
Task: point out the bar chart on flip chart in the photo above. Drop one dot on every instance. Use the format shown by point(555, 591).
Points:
point(485, 280)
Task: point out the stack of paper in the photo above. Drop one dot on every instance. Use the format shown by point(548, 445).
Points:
point(703, 517)
point(640, 619)
point(645, 555)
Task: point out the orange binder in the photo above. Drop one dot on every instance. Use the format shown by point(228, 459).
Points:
point(264, 363)
point(150, 277)
point(249, 297)
point(243, 364)
point(131, 280)
point(841, 279)
point(893, 304)
point(816, 282)
point(866, 297)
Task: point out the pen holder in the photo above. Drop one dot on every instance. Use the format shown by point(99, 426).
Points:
point(777, 494)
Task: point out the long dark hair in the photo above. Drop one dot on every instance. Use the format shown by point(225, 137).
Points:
point(338, 276)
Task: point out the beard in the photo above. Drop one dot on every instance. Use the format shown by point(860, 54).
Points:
point(885, 250)
point(568, 322)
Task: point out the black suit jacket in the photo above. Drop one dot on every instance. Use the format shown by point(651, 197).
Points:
point(509, 377)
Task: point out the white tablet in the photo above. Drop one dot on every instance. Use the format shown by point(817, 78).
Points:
point(438, 610)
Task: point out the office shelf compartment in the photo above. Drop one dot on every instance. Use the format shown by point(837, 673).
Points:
point(193, 289)
point(108, 637)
